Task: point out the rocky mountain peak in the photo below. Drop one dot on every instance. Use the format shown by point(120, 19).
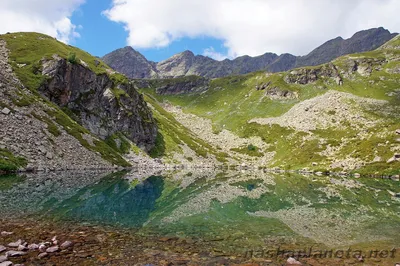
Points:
point(130, 62)
point(135, 65)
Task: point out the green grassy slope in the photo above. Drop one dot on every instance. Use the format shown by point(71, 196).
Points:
point(26, 50)
point(172, 135)
point(232, 102)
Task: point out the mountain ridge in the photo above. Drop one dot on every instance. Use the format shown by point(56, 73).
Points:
point(135, 65)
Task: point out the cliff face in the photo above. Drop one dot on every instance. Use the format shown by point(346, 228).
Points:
point(100, 104)
point(134, 65)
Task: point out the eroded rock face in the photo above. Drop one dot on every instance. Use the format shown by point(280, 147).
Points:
point(195, 84)
point(310, 75)
point(100, 105)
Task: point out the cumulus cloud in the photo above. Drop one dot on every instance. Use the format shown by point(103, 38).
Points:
point(251, 27)
point(50, 17)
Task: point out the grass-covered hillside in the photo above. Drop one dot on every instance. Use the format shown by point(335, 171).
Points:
point(52, 128)
point(338, 116)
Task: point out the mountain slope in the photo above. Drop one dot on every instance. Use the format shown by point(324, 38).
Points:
point(134, 65)
point(63, 108)
point(343, 115)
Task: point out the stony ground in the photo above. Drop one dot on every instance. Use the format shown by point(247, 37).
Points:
point(226, 140)
point(91, 245)
point(329, 110)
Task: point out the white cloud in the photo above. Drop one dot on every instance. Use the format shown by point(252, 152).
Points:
point(210, 52)
point(50, 17)
point(251, 27)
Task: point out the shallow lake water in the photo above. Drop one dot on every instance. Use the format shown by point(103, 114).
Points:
point(249, 213)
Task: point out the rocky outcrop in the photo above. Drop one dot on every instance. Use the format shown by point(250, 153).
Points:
point(183, 85)
point(100, 104)
point(134, 65)
point(26, 136)
point(310, 75)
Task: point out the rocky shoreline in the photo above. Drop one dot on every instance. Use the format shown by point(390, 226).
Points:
point(50, 243)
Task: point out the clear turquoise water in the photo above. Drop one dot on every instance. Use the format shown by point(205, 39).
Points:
point(240, 210)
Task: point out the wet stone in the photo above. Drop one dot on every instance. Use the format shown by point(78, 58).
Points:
point(2, 248)
point(15, 244)
point(43, 255)
point(66, 244)
point(52, 249)
point(3, 258)
point(13, 253)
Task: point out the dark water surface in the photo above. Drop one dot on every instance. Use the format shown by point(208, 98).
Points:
point(240, 211)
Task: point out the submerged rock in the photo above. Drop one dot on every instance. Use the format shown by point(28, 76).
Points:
point(15, 244)
point(13, 253)
point(66, 244)
point(33, 247)
point(3, 258)
point(52, 249)
point(292, 261)
point(43, 255)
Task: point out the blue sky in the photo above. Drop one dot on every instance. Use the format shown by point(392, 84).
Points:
point(99, 35)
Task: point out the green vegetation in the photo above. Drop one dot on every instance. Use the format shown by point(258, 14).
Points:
point(122, 144)
point(250, 150)
point(27, 49)
point(76, 130)
point(172, 134)
point(51, 127)
point(231, 102)
point(72, 58)
point(9, 162)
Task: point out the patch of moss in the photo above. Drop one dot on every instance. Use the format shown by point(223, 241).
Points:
point(9, 162)
point(250, 150)
point(119, 143)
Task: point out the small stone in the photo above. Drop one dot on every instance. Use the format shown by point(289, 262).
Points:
point(22, 248)
point(398, 131)
point(3, 258)
point(42, 149)
point(377, 159)
point(13, 253)
point(66, 244)
point(33, 246)
point(49, 155)
point(15, 244)
point(6, 263)
point(391, 160)
point(357, 175)
point(2, 248)
point(43, 255)
point(292, 261)
point(42, 247)
point(6, 111)
point(5, 233)
point(52, 249)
